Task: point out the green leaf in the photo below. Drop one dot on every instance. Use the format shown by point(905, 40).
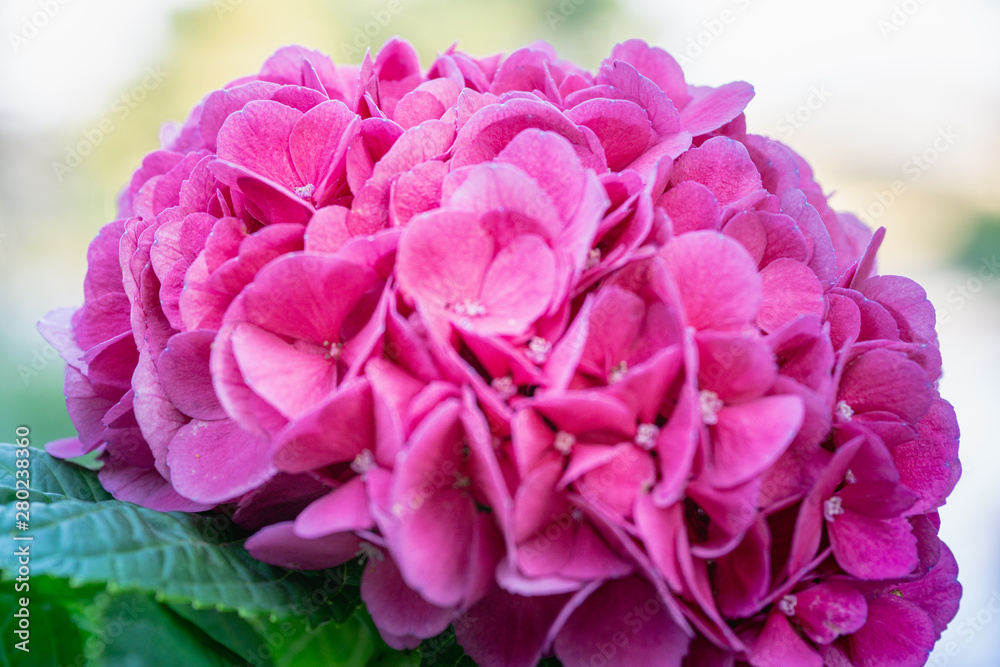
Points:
point(50, 479)
point(243, 635)
point(131, 629)
point(349, 644)
point(172, 556)
point(53, 638)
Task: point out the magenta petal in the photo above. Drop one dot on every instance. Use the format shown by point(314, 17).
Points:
point(929, 464)
point(334, 431)
point(306, 296)
point(723, 166)
point(712, 108)
point(518, 286)
point(622, 127)
point(278, 545)
point(443, 257)
point(217, 461)
point(830, 610)
point(491, 128)
point(506, 629)
point(343, 509)
point(145, 487)
point(873, 381)
point(898, 634)
point(626, 622)
point(261, 123)
point(750, 437)
point(779, 646)
point(396, 608)
point(292, 380)
point(870, 548)
point(790, 289)
point(716, 278)
point(66, 448)
point(184, 374)
point(691, 207)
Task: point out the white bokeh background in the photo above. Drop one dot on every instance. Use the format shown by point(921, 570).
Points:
point(891, 88)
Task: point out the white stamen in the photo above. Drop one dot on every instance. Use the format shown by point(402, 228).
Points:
point(504, 386)
point(646, 435)
point(576, 513)
point(538, 349)
point(851, 479)
point(710, 405)
point(564, 442)
point(593, 258)
point(786, 605)
point(617, 373)
point(844, 411)
point(462, 482)
point(832, 508)
point(363, 462)
point(369, 552)
point(469, 307)
point(306, 191)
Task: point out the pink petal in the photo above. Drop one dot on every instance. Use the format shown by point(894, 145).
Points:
point(724, 167)
point(216, 461)
point(790, 289)
point(717, 280)
point(145, 487)
point(750, 437)
point(626, 623)
point(344, 509)
point(710, 109)
point(278, 545)
point(395, 607)
point(779, 646)
point(334, 431)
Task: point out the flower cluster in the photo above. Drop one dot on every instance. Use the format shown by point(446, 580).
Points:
point(576, 363)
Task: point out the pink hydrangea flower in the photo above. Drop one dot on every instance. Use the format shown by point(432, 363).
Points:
point(574, 361)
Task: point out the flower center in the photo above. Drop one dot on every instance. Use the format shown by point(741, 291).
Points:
point(504, 386)
point(844, 411)
point(618, 372)
point(538, 349)
point(469, 307)
point(593, 258)
point(363, 462)
point(646, 435)
point(710, 404)
point(564, 442)
point(832, 508)
point(786, 605)
point(306, 191)
point(369, 552)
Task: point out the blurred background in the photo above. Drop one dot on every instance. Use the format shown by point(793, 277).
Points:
point(896, 104)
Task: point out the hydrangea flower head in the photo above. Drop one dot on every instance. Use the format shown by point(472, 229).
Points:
point(573, 360)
